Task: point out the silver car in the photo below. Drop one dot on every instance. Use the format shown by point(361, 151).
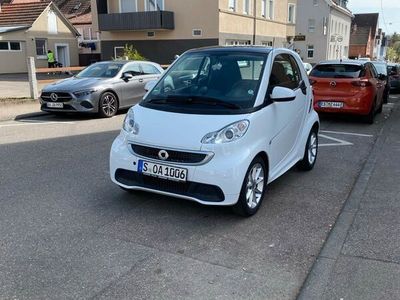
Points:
point(101, 88)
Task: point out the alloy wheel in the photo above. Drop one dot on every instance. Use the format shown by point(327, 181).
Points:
point(312, 148)
point(109, 105)
point(255, 185)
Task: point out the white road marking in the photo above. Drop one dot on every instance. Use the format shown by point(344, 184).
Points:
point(339, 141)
point(33, 123)
point(347, 133)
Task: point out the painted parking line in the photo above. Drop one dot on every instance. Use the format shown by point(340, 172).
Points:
point(24, 123)
point(339, 142)
point(347, 133)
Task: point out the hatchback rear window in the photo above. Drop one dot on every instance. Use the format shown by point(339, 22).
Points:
point(337, 71)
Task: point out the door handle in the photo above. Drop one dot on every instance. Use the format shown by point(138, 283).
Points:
point(140, 80)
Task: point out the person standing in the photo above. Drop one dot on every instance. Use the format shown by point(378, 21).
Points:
point(50, 59)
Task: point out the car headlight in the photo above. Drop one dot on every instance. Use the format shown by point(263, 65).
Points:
point(79, 94)
point(129, 124)
point(227, 134)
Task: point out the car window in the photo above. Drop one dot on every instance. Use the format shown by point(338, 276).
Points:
point(381, 68)
point(100, 70)
point(337, 71)
point(149, 69)
point(285, 73)
point(374, 73)
point(133, 69)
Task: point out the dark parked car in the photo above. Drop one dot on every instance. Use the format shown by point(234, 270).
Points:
point(394, 75)
point(382, 69)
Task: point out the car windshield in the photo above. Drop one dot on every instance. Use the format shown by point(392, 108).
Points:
point(391, 69)
point(381, 68)
point(337, 71)
point(101, 70)
point(215, 80)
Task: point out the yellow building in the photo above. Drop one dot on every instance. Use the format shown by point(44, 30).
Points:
point(30, 29)
point(160, 29)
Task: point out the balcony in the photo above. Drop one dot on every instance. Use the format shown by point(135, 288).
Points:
point(143, 20)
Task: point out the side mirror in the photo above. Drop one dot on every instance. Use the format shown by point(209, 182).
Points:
point(149, 85)
point(382, 77)
point(127, 76)
point(282, 94)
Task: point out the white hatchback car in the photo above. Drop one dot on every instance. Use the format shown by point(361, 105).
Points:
point(219, 126)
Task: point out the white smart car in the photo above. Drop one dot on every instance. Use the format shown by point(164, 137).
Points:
point(218, 126)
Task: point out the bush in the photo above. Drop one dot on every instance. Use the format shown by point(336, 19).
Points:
point(131, 53)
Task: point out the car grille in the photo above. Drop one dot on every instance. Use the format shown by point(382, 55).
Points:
point(61, 96)
point(204, 192)
point(173, 155)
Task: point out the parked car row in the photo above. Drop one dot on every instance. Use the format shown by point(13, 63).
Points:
point(221, 123)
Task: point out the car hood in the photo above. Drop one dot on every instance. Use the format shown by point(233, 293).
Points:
point(74, 84)
point(176, 130)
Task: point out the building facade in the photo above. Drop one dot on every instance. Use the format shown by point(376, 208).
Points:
point(365, 41)
point(30, 29)
point(322, 30)
point(160, 29)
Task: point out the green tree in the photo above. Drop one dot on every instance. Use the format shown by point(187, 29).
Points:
point(393, 55)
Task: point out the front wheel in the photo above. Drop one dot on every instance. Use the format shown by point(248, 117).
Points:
point(253, 189)
point(311, 152)
point(108, 105)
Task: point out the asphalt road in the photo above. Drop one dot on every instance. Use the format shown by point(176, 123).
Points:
point(66, 231)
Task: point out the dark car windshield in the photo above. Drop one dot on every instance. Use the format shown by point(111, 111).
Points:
point(101, 70)
point(392, 69)
point(381, 68)
point(337, 71)
point(209, 81)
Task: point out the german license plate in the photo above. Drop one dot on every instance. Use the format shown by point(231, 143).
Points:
point(55, 105)
point(330, 104)
point(162, 171)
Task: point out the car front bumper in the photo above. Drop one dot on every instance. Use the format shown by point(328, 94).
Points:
point(70, 103)
point(216, 182)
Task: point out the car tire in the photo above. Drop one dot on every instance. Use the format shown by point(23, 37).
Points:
point(370, 118)
point(380, 109)
point(310, 152)
point(253, 189)
point(108, 105)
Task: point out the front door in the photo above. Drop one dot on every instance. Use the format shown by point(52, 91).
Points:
point(133, 89)
point(286, 117)
point(62, 55)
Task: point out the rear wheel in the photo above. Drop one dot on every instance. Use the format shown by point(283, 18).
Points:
point(380, 108)
point(253, 189)
point(370, 118)
point(108, 105)
point(311, 152)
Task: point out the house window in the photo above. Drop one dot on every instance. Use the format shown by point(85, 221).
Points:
point(118, 52)
point(270, 9)
point(246, 7)
point(41, 48)
point(237, 42)
point(291, 13)
point(154, 5)
point(315, 2)
point(87, 34)
point(10, 46)
point(52, 22)
point(232, 5)
point(267, 44)
point(264, 8)
point(197, 32)
point(310, 51)
point(128, 6)
point(311, 25)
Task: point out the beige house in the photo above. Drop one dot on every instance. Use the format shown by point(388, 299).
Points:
point(31, 28)
point(159, 29)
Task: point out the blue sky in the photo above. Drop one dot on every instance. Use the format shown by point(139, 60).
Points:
point(391, 10)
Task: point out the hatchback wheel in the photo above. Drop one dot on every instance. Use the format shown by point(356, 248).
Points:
point(370, 118)
point(310, 153)
point(108, 105)
point(253, 189)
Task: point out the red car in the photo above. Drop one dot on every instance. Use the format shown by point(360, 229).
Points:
point(351, 87)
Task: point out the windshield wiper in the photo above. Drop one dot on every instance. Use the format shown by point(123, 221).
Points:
point(194, 100)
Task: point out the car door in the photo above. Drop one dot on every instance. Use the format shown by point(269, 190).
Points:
point(133, 89)
point(287, 118)
point(380, 87)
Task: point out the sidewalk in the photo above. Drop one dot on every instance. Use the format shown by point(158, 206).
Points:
point(361, 258)
point(9, 110)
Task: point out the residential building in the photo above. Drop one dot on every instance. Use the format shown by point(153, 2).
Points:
point(31, 28)
point(363, 39)
point(322, 30)
point(79, 14)
point(160, 29)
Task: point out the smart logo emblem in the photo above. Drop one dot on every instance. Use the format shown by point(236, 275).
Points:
point(163, 155)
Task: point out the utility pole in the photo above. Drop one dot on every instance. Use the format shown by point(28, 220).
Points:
point(254, 21)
